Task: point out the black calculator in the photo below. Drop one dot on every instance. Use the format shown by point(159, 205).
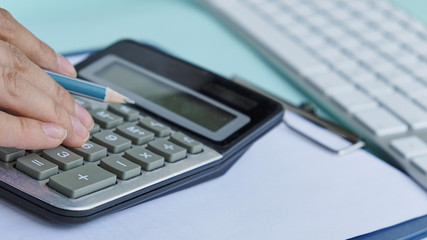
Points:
point(188, 125)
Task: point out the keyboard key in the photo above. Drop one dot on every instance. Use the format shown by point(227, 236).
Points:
point(413, 89)
point(112, 141)
point(146, 159)
point(152, 125)
point(420, 163)
point(381, 122)
point(124, 111)
point(90, 151)
point(409, 146)
point(82, 180)
point(106, 119)
point(188, 143)
point(354, 102)
point(10, 154)
point(331, 83)
point(376, 87)
point(407, 110)
point(36, 167)
point(170, 151)
point(123, 168)
point(63, 157)
point(136, 134)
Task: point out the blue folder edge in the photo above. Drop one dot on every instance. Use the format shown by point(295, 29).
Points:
point(409, 230)
point(412, 229)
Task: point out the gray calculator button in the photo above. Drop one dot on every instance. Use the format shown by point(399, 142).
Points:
point(90, 151)
point(95, 128)
point(112, 141)
point(63, 157)
point(36, 167)
point(158, 128)
point(188, 143)
point(123, 168)
point(10, 154)
point(82, 180)
point(137, 134)
point(170, 151)
point(86, 104)
point(124, 111)
point(106, 119)
point(146, 159)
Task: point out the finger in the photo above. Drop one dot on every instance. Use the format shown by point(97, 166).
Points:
point(13, 57)
point(26, 133)
point(21, 98)
point(39, 52)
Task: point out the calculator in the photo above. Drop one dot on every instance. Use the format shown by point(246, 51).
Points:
point(188, 125)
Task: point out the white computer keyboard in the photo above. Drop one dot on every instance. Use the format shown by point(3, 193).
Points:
point(364, 61)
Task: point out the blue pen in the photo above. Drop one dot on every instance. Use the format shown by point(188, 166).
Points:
point(87, 89)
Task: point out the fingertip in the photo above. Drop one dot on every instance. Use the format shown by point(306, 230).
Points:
point(84, 116)
point(54, 131)
point(65, 67)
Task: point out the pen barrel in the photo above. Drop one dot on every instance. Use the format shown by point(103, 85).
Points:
point(79, 87)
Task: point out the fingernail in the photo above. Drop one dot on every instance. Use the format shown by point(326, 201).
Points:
point(79, 128)
point(84, 116)
point(54, 131)
point(65, 66)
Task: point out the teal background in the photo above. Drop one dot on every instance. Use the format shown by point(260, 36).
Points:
point(181, 27)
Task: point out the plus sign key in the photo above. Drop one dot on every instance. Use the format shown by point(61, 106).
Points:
point(82, 180)
point(170, 151)
point(190, 144)
point(146, 159)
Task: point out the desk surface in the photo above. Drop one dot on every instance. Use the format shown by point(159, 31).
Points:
point(181, 27)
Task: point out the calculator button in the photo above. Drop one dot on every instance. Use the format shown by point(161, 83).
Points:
point(36, 167)
point(123, 168)
point(146, 159)
point(95, 128)
point(10, 154)
point(82, 180)
point(90, 151)
point(106, 119)
point(84, 103)
point(136, 134)
point(170, 151)
point(63, 157)
point(188, 143)
point(158, 128)
point(124, 111)
point(112, 141)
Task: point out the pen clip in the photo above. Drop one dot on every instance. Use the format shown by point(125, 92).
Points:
point(345, 140)
point(347, 143)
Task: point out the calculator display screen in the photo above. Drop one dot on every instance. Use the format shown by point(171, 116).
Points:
point(166, 95)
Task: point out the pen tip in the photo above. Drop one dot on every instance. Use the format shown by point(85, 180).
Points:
point(129, 101)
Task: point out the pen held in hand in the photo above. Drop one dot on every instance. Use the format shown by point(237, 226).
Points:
point(87, 89)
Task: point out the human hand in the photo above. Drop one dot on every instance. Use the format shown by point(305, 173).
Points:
point(35, 111)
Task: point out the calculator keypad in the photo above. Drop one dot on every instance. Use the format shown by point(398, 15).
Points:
point(124, 152)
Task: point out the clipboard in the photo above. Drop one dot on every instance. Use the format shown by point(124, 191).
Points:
point(344, 142)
